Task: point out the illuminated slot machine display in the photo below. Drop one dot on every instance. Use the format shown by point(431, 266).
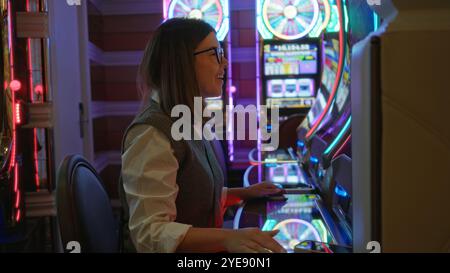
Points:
point(215, 13)
point(26, 157)
point(318, 57)
point(289, 66)
point(329, 119)
point(299, 218)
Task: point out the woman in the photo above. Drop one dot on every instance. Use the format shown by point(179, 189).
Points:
point(174, 191)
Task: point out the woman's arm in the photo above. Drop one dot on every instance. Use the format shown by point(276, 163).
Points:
point(149, 178)
point(235, 195)
point(149, 172)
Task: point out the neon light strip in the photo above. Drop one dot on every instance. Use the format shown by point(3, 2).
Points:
point(237, 217)
point(338, 74)
point(342, 146)
point(321, 228)
point(30, 69)
point(18, 215)
point(375, 21)
point(17, 199)
point(339, 136)
point(16, 178)
point(230, 99)
point(327, 15)
point(18, 118)
point(258, 96)
point(165, 5)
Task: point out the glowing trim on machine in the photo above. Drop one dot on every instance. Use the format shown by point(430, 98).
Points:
point(259, 22)
point(338, 152)
point(317, 30)
point(340, 191)
point(222, 27)
point(375, 21)
point(338, 74)
point(309, 26)
point(321, 227)
point(339, 136)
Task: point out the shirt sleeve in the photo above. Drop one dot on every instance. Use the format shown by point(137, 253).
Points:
point(149, 171)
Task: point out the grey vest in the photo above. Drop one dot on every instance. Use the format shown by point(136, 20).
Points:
point(199, 177)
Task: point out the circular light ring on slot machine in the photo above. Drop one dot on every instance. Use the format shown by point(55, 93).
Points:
point(290, 20)
point(323, 20)
point(327, 11)
point(294, 231)
point(211, 11)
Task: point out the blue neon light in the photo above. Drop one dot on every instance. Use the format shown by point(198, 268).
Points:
point(314, 160)
point(339, 136)
point(375, 21)
point(300, 143)
point(340, 191)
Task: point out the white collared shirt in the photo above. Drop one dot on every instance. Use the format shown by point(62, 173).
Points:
point(149, 171)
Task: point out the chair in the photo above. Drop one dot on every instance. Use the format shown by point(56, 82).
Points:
point(83, 208)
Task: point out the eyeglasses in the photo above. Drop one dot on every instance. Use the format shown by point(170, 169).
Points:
point(218, 50)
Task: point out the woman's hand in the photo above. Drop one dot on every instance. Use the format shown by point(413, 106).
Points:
point(252, 240)
point(262, 189)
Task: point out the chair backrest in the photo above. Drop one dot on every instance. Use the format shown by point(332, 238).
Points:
point(84, 211)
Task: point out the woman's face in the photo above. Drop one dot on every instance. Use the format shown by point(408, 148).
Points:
point(210, 74)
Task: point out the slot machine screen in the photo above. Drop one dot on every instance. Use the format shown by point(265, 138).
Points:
point(290, 70)
point(290, 59)
point(298, 219)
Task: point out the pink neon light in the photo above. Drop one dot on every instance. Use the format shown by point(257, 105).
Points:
point(39, 89)
point(16, 178)
point(18, 215)
point(165, 7)
point(337, 79)
point(342, 146)
point(15, 85)
point(233, 89)
point(17, 199)
point(18, 117)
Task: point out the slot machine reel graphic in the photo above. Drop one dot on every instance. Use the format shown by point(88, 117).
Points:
point(211, 11)
point(290, 20)
point(294, 231)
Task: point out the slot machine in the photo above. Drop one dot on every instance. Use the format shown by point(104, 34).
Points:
point(26, 156)
point(290, 54)
point(323, 155)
